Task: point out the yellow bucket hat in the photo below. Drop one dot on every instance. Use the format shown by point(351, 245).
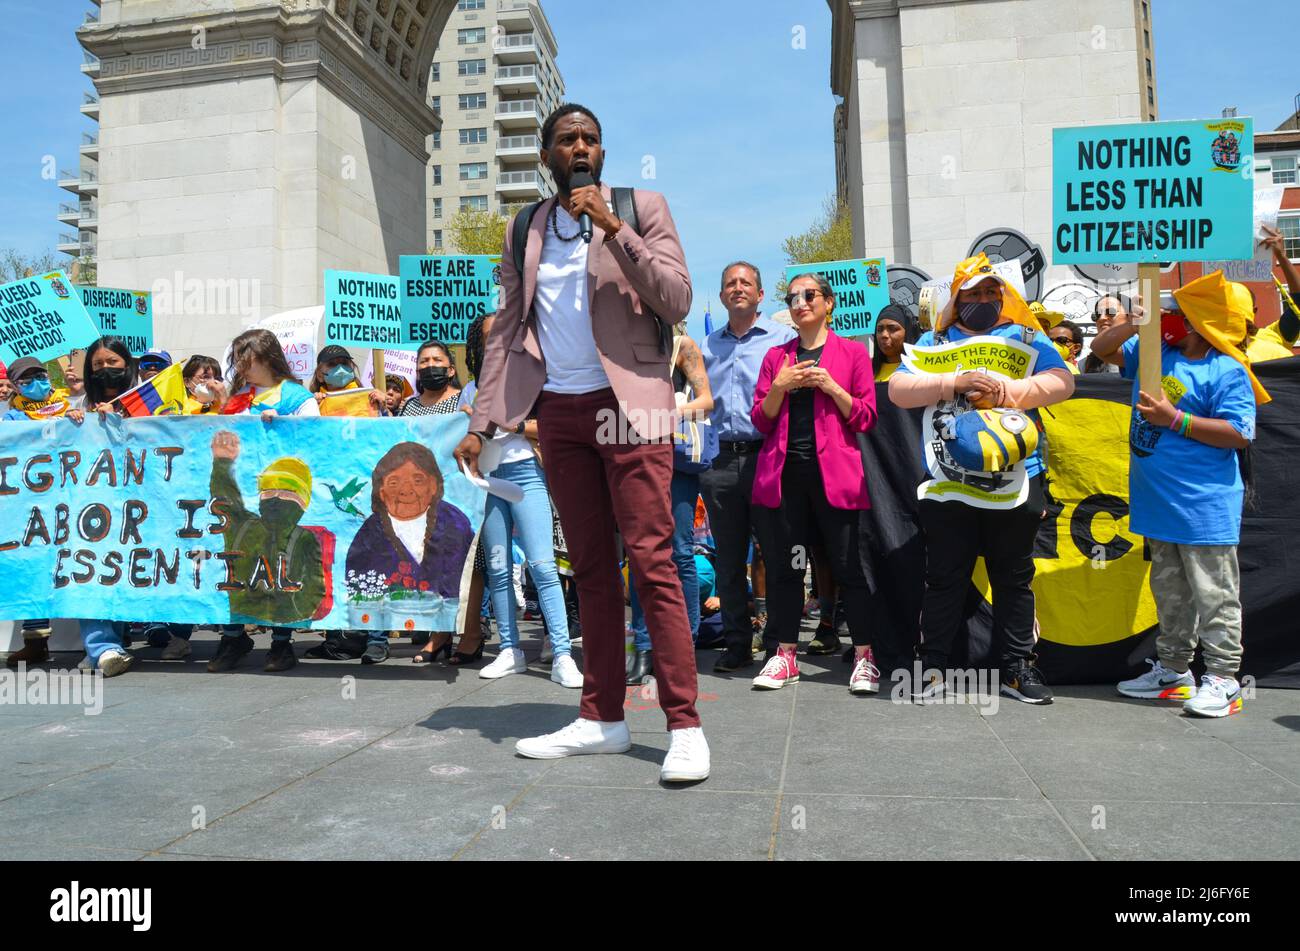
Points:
point(288, 474)
point(1219, 310)
point(969, 273)
point(1047, 319)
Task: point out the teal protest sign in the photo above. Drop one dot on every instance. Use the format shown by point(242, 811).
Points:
point(1153, 192)
point(362, 310)
point(861, 292)
point(119, 313)
point(42, 317)
point(301, 522)
point(443, 294)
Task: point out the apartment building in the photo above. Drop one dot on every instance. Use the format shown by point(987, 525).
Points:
point(493, 82)
point(80, 212)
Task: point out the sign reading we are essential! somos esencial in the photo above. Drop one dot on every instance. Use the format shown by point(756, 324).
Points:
point(861, 292)
point(1153, 192)
point(441, 295)
point(42, 317)
point(121, 313)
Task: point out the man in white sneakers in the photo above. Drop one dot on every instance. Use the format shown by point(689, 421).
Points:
point(579, 343)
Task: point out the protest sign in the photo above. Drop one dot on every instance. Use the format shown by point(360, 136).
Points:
point(42, 317)
point(297, 331)
point(362, 310)
point(350, 402)
point(947, 479)
point(121, 313)
point(1268, 202)
point(396, 363)
point(441, 295)
point(1153, 191)
point(226, 519)
point(861, 291)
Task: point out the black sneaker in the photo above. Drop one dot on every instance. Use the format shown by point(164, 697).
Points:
point(230, 652)
point(1022, 681)
point(339, 647)
point(376, 653)
point(825, 641)
point(732, 660)
point(280, 657)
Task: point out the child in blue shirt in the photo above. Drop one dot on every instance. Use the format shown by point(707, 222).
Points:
point(1186, 490)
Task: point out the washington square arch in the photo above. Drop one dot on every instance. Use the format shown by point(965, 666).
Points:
point(246, 146)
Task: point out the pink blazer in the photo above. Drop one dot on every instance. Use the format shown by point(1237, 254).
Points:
point(838, 456)
point(627, 279)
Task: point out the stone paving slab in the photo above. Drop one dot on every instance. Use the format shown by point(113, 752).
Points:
point(395, 761)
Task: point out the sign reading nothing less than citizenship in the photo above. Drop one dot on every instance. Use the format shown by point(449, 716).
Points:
point(362, 310)
point(42, 317)
point(861, 291)
point(1153, 191)
point(441, 295)
point(120, 313)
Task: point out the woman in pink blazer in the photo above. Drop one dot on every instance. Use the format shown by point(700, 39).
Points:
point(814, 395)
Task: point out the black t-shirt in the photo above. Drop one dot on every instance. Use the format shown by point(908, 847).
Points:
point(801, 441)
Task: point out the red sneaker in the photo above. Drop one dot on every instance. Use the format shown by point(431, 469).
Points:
point(782, 669)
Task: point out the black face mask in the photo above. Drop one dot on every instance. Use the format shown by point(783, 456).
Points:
point(979, 316)
point(434, 378)
point(280, 513)
point(114, 379)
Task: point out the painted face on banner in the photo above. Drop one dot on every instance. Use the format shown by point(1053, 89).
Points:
point(408, 491)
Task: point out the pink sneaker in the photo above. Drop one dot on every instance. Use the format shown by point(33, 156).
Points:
point(866, 675)
point(782, 669)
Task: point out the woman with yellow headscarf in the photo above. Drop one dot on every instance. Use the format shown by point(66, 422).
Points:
point(957, 533)
point(1186, 489)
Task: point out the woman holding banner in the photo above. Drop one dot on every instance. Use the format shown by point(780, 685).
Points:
point(109, 371)
point(815, 393)
point(263, 380)
point(435, 382)
point(335, 377)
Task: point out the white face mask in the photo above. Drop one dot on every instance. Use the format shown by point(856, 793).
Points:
point(202, 393)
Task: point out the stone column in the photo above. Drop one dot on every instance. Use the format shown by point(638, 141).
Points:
point(248, 145)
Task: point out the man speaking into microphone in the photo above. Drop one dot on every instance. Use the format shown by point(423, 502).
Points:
point(579, 342)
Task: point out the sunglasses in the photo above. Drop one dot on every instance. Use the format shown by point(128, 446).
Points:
point(808, 296)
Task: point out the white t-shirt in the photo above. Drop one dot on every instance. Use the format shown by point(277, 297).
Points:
point(411, 534)
point(507, 446)
point(563, 317)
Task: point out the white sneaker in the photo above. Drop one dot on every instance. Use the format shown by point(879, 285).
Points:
point(688, 756)
point(565, 672)
point(548, 651)
point(511, 660)
point(177, 648)
point(865, 677)
point(578, 738)
point(1218, 697)
point(113, 662)
point(1159, 683)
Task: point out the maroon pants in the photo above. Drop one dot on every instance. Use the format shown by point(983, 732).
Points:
point(604, 482)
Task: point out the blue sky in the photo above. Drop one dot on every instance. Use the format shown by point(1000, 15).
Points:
point(739, 122)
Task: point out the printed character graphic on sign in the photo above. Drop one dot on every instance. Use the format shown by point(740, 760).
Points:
point(873, 274)
point(60, 289)
point(408, 556)
point(943, 430)
point(1226, 151)
point(277, 570)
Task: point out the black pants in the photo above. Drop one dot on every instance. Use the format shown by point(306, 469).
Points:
point(726, 490)
point(955, 535)
point(787, 534)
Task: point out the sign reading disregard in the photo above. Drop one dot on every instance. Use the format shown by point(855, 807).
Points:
point(443, 294)
point(1153, 191)
point(118, 313)
point(42, 317)
point(362, 310)
point(322, 523)
point(861, 292)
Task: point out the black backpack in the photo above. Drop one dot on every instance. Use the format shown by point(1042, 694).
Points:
point(624, 200)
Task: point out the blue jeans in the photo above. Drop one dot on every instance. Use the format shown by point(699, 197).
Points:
point(685, 489)
point(100, 636)
point(532, 517)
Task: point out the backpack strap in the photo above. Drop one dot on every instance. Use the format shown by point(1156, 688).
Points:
point(624, 201)
point(519, 232)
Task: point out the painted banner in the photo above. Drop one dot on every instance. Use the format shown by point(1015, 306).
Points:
point(322, 523)
point(1096, 616)
point(42, 317)
point(1153, 192)
point(121, 313)
point(362, 310)
point(948, 480)
point(861, 291)
point(441, 295)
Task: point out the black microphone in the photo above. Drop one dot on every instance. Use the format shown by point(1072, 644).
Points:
point(583, 180)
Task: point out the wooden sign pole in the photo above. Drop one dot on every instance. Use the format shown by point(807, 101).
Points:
point(380, 381)
point(1149, 330)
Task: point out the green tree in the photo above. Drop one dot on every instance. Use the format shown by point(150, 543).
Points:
point(15, 265)
point(478, 232)
point(830, 238)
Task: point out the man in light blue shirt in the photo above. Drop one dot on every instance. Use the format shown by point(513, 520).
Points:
point(732, 357)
